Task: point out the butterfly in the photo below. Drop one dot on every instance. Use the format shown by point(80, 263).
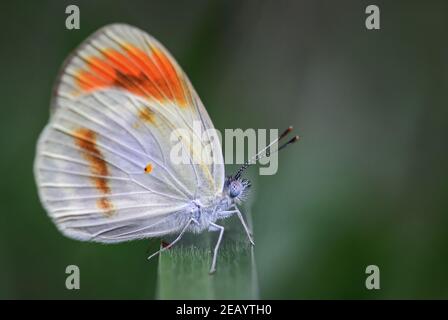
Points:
point(103, 167)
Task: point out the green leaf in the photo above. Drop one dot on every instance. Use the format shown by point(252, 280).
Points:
point(183, 271)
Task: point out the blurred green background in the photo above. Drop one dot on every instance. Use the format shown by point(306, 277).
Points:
point(366, 185)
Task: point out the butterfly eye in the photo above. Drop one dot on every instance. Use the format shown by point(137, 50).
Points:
point(148, 168)
point(235, 189)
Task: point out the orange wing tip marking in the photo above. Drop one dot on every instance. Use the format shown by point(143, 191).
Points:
point(85, 139)
point(152, 76)
point(148, 168)
point(172, 77)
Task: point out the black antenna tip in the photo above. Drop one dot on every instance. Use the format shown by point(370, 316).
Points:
point(288, 130)
point(294, 139)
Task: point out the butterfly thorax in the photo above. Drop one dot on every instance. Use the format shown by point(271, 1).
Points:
point(205, 212)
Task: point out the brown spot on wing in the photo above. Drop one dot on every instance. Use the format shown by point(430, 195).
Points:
point(85, 139)
point(105, 205)
point(146, 114)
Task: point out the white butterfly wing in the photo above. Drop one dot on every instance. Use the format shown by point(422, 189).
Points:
point(103, 164)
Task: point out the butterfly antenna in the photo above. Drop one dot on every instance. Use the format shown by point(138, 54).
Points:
point(294, 139)
point(261, 154)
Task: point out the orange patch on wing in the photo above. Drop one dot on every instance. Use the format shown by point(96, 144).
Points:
point(171, 76)
point(152, 76)
point(85, 139)
point(148, 168)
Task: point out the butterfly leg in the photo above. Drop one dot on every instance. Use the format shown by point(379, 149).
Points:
point(249, 234)
point(218, 243)
point(175, 240)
